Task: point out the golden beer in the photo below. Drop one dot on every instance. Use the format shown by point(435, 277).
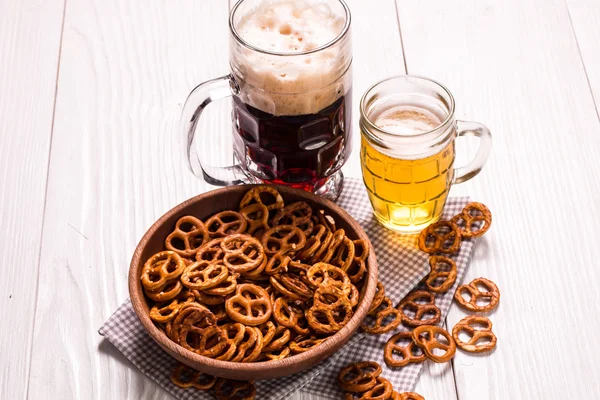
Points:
point(407, 153)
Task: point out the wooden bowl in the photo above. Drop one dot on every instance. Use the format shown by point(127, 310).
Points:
point(228, 198)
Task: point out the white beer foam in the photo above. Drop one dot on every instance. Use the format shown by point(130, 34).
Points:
point(407, 120)
point(292, 85)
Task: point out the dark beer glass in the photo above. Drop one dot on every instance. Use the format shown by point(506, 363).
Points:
point(290, 80)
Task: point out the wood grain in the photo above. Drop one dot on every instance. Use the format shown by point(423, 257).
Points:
point(584, 20)
point(116, 166)
point(515, 66)
point(29, 52)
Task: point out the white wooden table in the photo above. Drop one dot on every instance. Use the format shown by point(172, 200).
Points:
point(90, 156)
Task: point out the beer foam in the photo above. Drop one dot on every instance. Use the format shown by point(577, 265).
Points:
point(407, 120)
point(292, 85)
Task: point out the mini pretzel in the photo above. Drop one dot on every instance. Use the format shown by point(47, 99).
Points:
point(224, 288)
point(257, 274)
point(259, 195)
point(382, 322)
point(160, 269)
point(169, 292)
point(165, 313)
point(337, 239)
point(189, 235)
point(234, 332)
point(249, 348)
point(290, 315)
point(277, 354)
point(442, 268)
point(359, 376)
point(226, 223)
point(331, 310)
point(325, 274)
point(257, 216)
point(303, 343)
point(467, 325)
point(186, 377)
point(207, 299)
point(420, 310)
point(297, 214)
point(250, 305)
point(471, 214)
point(325, 220)
point(207, 338)
point(408, 352)
point(279, 261)
point(294, 284)
point(492, 294)
point(407, 396)
point(203, 275)
point(344, 254)
point(280, 288)
point(243, 253)
point(268, 332)
point(313, 243)
point(381, 391)
point(283, 236)
point(281, 337)
point(379, 296)
point(226, 389)
point(173, 327)
point(426, 338)
point(442, 236)
point(210, 251)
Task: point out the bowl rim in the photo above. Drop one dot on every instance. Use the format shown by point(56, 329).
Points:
point(137, 296)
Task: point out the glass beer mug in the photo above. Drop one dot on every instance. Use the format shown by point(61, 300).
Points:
point(290, 82)
point(408, 133)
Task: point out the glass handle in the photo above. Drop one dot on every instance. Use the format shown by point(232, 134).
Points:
point(469, 128)
point(202, 95)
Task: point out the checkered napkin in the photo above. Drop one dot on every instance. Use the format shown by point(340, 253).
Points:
point(401, 267)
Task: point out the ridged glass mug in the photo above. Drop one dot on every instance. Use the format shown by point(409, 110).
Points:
point(291, 109)
point(407, 174)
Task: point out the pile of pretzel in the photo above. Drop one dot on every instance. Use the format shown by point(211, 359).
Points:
point(418, 311)
point(224, 389)
point(262, 283)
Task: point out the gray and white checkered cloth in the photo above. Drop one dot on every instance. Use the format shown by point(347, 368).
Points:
point(401, 267)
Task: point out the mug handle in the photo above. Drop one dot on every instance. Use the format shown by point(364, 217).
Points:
point(470, 128)
point(202, 95)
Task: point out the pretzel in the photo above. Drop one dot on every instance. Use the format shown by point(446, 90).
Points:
point(224, 288)
point(168, 292)
point(303, 343)
point(249, 348)
point(279, 340)
point(290, 316)
point(344, 254)
point(381, 391)
point(430, 342)
point(258, 195)
point(257, 274)
point(243, 253)
point(234, 331)
point(186, 377)
point(438, 272)
point(467, 325)
point(313, 243)
point(268, 332)
point(353, 296)
point(473, 213)
point(359, 376)
point(226, 389)
point(442, 237)
point(250, 305)
point(173, 327)
point(382, 323)
point(408, 352)
point(189, 235)
point(280, 288)
point(294, 285)
point(278, 354)
point(207, 299)
point(279, 261)
point(203, 275)
point(407, 396)
point(420, 310)
point(297, 214)
point(325, 220)
point(325, 242)
point(165, 313)
point(160, 269)
point(492, 294)
point(207, 338)
point(226, 223)
point(322, 273)
point(336, 241)
point(282, 236)
point(210, 251)
point(257, 217)
point(331, 310)
point(379, 296)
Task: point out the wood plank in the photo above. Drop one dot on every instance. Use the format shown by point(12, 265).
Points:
point(584, 19)
point(29, 52)
point(515, 66)
point(116, 166)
